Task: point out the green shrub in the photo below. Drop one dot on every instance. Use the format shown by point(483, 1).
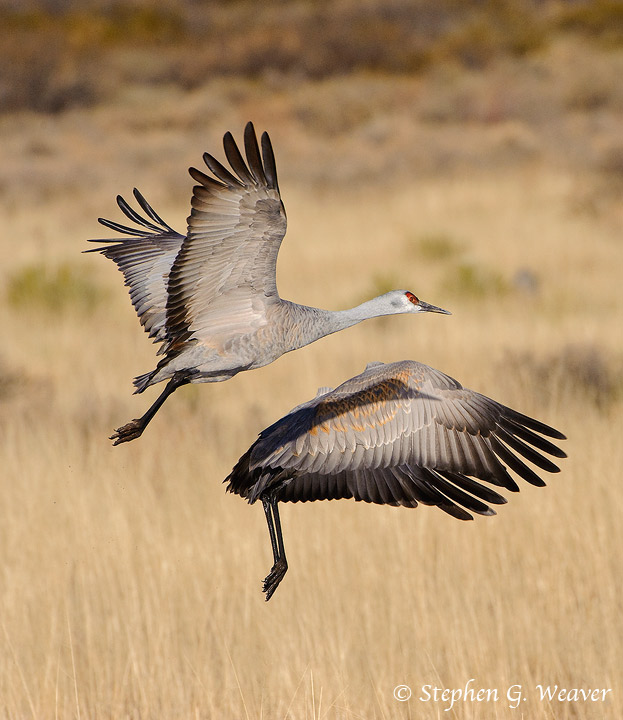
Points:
point(57, 290)
point(436, 246)
point(476, 281)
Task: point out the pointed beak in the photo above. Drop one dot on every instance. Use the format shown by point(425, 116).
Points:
point(426, 307)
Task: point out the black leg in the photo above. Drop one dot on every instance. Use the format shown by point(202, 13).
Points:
point(134, 429)
point(280, 566)
point(276, 518)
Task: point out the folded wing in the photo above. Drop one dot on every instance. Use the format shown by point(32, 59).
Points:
point(398, 434)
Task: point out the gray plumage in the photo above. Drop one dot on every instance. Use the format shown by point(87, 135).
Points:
point(210, 297)
point(398, 434)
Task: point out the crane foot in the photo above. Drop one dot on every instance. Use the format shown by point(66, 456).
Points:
point(274, 577)
point(129, 431)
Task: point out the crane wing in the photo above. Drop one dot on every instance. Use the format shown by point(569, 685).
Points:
point(398, 434)
point(223, 278)
point(145, 257)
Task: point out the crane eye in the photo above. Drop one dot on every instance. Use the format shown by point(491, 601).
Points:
point(411, 297)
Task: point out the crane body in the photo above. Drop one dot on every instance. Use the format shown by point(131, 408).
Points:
point(397, 434)
point(210, 297)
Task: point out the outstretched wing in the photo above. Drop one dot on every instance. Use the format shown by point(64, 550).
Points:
point(145, 257)
point(398, 434)
point(223, 278)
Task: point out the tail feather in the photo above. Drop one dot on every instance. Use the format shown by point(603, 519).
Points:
point(142, 382)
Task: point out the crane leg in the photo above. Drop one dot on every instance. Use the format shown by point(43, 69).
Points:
point(280, 566)
point(134, 428)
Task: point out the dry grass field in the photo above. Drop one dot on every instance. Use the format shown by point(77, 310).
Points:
point(131, 583)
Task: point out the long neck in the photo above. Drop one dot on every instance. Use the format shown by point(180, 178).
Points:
point(346, 318)
point(309, 324)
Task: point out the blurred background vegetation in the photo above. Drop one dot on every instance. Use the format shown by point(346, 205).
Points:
point(66, 53)
point(416, 85)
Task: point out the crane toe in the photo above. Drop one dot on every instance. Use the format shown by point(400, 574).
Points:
point(129, 431)
point(274, 577)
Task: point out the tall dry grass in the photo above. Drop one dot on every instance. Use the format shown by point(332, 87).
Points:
point(131, 583)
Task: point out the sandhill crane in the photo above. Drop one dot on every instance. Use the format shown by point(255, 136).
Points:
point(210, 297)
point(397, 434)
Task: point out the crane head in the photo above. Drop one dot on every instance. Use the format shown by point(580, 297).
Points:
point(414, 304)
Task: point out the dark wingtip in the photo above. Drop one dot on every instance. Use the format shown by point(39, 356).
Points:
point(199, 176)
point(270, 166)
point(549, 431)
point(249, 134)
point(536, 425)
